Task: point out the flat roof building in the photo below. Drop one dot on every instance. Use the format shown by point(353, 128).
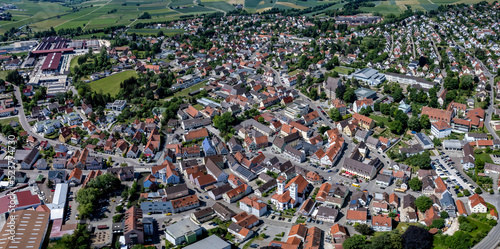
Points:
point(212, 242)
point(370, 76)
point(362, 93)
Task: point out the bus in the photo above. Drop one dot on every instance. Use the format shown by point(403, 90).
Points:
point(356, 185)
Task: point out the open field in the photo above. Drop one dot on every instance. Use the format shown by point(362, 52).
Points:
point(3, 74)
point(167, 32)
point(111, 84)
point(96, 14)
point(185, 92)
point(6, 121)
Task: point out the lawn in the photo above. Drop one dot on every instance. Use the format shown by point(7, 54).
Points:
point(342, 70)
point(403, 226)
point(3, 74)
point(111, 84)
point(483, 156)
point(198, 107)
point(380, 119)
point(6, 121)
point(147, 32)
point(384, 8)
point(185, 92)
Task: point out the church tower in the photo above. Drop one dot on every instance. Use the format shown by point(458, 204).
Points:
point(281, 184)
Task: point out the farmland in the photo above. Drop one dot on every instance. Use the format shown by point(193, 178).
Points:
point(97, 14)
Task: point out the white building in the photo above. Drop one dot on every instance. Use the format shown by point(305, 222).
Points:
point(440, 129)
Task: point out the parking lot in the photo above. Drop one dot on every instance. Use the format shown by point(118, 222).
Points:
point(445, 167)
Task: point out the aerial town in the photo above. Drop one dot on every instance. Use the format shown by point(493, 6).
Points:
point(256, 131)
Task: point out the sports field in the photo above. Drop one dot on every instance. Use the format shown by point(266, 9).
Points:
point(112, 83)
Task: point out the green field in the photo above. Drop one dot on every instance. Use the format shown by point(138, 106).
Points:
point(111, 84)
point(185, 92)
point(42, 15)
point(6, 121)
point(167, 32)
point(3, 74)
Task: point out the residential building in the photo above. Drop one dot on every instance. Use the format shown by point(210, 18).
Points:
point(381, 223)
point(477, 204)
point(133, 229)
point(253, 206)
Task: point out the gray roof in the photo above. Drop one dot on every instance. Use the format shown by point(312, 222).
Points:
point(223, 210)
point(492, 167)
point(384, 178)
point(359, 167)
point(221, 189)
point(424, 139)
point(478, 135)
point(213, 168)
point(256, 124)
point(212, 242)
point(447, 200)
point(416, 148)
point(182, 228)
point(243, 172)
point(327, 212)
point(457, 144)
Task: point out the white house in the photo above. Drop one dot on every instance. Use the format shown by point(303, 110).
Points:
point(477, 204)
point(253, 206)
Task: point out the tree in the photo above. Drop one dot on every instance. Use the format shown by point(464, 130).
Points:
point(224, 122)
point(335, 115)
point(398, 94)
point(478, 191)
point(436, 142)
point(466, 82)
point(364, 229)
point(417, 238)
point(423, 203)
point(415, 184)
point(339, 92)
point(79, 239)
point(366, 111)
point(459, 240)
point(437, 223)
point(349, 95)
point(390, 240)
point(414, 124)
point(396, 127)
point(444, 215)
point(261, 120)
point(466, 192)
point(355, 242)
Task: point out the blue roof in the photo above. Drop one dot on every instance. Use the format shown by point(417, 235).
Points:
point(207, 144)
point(447, 199)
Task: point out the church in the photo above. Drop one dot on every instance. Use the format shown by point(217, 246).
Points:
point(291, 194)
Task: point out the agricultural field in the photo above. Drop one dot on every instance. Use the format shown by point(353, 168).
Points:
point(112, 83)
point(95, 14)
point(167, 32)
